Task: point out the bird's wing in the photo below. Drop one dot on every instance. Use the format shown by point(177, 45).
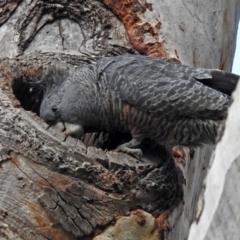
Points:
point(161, 87)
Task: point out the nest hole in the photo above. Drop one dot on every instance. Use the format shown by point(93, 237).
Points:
point(30, 98)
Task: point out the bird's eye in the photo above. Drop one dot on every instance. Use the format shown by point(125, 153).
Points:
point(54, 108)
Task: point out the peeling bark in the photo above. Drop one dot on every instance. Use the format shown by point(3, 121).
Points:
point(143, 36)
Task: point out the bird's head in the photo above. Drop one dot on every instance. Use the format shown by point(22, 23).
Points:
point(70, 100)
point(49, 110)
point(53, 86)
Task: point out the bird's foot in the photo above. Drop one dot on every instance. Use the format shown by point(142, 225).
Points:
point(137, 152)
point(130, 147)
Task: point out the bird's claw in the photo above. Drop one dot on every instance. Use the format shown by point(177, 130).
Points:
point(136, 152)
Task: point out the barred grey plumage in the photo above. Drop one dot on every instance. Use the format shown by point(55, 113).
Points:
point(148, 97)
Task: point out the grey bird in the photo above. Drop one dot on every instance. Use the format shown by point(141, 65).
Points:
point(169, 103)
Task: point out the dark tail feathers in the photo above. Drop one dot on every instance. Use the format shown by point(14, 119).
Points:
point(222, 81)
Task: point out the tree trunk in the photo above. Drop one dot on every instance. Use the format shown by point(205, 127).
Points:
point(52, 189)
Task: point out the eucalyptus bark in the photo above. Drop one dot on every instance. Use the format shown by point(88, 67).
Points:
point(52, 189)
